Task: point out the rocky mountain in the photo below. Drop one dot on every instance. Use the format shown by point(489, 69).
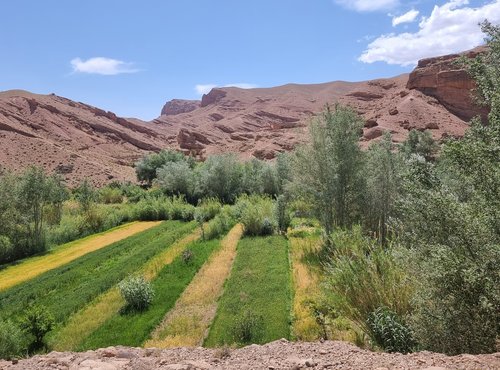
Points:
point(78, 140)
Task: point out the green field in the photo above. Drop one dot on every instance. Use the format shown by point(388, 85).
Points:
point(260, 284)
point(68, 288)
point(132, 329)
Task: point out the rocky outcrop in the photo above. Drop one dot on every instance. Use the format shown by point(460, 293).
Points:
point(178, 106)
point(214, 96)
point(445, 79)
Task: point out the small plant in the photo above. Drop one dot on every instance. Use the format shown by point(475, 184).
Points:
point(389, 332)
point(37, 322)
point(12, 341)
point(223, 353)
point(137, 292)
point(187, 256)
point(248, 328)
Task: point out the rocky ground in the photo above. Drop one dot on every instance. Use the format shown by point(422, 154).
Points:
point(280, 354)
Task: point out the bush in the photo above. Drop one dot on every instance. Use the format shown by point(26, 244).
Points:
point(187, 256)
point(363, 276)
point(281, 214)
point(110, 195)
point(37, 322)
point(6, 249)
point(12, 341)
point(389, 332)
point(248, 328)
point(220, 224)
point(255, 213)
point(137, 292)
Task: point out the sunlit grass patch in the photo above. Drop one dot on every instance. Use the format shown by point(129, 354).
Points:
point(186, 324)
point(256, 302)
point(32, 267)
point(90, 318)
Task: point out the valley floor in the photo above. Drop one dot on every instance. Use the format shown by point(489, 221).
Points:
point(280, 354)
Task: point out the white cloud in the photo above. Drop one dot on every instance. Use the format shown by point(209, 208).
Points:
point(102, 66)
point(205, 89)
point(368, 5)
point(451, 28)
point(408, 17)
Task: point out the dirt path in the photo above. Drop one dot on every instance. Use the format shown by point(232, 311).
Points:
point(187, 323)
point(87, 320)
point(35, 266)
point(272, 356)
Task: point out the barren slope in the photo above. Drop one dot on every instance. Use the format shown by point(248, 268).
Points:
point(79, 141)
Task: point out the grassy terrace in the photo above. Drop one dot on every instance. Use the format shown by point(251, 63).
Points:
point(132, 329)
point(32, 267)
point(68, 288)
point(259, 283)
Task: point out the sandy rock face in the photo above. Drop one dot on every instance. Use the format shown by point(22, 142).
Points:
point(444, 79)
point(277, 355)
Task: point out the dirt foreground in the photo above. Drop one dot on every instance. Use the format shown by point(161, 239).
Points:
point(280, 354)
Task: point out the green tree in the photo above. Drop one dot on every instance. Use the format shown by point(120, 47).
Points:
point(327, 171)
point(421, 143)
point(220, 177)
point(382, 185)
point(146, 168)
point(86, 196)
point(177, 178)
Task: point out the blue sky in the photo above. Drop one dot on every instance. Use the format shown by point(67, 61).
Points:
point(130, 57)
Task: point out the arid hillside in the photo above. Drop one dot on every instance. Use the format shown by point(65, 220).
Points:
point(78, 140)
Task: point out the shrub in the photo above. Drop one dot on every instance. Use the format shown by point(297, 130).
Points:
point(110, 195)
point(282, 214)
point(12, 340)
point(37, 322)
point(221, 223)
point(248, 328)
point(389, 332)
point(363, 276)
point(187, 256)
point(252, 211)
point(210, 207)
point(6, 249)
point(137, 292)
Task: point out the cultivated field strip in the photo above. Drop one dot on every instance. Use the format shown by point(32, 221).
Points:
point(259, 285)
point(306, 286)
point(32, 267)
point(68, 288)
point(187, 323)
point(90, 318)
point(133, 328)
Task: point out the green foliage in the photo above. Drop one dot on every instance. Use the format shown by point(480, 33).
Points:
point(256, 214)
point(259, 283)
point(68, 288)
point(248, 328)
point(86, 195)
point(133, 328)
point(421, 143)
point(6, 248)
point(177, 178)
point(37, 321)
point(137, 292)
point(362, 276)
point(282, 214)
point(110, 195)
point(12, 341)
point(187, 256)
point(147, 167)
point(220, 224)
point(389, 332)
point(328, 171)
point(382, 183)
point(220, 177)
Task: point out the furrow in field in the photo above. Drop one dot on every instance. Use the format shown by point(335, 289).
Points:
point(102, 308)
point(32, 267)
point(187, 323)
